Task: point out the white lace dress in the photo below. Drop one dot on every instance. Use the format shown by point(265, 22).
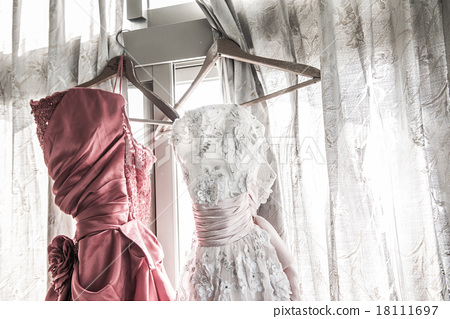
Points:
point(221, 150)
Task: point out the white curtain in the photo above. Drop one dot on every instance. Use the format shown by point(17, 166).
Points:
point(363, 158)
point(45, 46)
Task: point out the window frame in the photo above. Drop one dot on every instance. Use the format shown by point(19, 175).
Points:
point(185, 34)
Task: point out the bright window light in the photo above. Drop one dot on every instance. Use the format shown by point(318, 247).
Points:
point(208, 92)
point(136, 110)
point(33, 35)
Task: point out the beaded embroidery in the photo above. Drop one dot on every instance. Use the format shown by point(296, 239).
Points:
point(43, 111)
point(138, 162)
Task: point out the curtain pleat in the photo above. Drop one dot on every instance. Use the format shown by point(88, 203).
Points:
point(48, 46)
point(362, 158)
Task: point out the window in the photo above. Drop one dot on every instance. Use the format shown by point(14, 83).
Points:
point(207, 92)
point(169, 75)
point(171, 217)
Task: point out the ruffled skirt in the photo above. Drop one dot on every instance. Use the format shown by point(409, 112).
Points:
point(247, 269)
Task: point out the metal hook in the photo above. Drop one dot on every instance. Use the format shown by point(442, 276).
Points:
point(117, 39)
point(125, 51)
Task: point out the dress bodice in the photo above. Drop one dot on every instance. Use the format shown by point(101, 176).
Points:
point(91, 154)
point(222, 153)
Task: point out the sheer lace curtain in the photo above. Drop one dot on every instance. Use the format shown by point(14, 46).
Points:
point(46, 46)
point(363, 159)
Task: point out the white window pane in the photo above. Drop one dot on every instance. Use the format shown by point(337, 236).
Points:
point(136, 110)
point(33, 35)
point(207, 92)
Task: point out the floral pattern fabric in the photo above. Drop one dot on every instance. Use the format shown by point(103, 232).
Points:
point(222, 152)
point(247, 269)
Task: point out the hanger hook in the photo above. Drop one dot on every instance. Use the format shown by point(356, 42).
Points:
point(118, 42)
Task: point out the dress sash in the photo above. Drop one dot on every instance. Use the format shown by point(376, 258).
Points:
point(228, 221)
point(233, 218)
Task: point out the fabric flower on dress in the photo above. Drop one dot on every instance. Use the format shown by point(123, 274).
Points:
point(242, 183)
point(208, 191)
point(201, 280)
point(264, 238)
point(210, 188)
point(278, 279)
point(275, 270)
point(61, 257)
point(225, 290)
point(227, 264)
point(240, 272)
point(229, 149)
point(256, 277)
point(240, 130)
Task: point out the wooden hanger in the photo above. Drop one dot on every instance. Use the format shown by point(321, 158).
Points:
point(229, 49)
point(111, 70)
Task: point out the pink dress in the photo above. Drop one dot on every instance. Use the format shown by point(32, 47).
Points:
point(102, 180)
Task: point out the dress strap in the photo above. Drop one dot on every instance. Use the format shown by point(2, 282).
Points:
point(119, 74)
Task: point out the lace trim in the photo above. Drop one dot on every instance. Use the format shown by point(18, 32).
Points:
point(43, 111)
point(138, 163)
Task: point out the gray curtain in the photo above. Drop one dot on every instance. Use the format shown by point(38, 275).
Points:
point(363, 159)
point(46, 46)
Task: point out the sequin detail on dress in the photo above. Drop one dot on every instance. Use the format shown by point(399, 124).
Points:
point(138, 163)
point(43, 111)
